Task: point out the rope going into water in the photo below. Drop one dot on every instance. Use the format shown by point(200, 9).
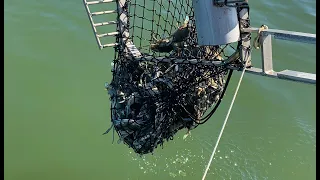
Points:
point(225, 121)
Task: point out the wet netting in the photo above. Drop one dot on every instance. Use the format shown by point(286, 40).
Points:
point(163, 81)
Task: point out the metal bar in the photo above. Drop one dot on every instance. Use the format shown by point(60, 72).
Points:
point(123, 21)
point(107, 34)
point(91, 22)
point(224, 2)
point(290, 75)
point(99, 2)
point(229, 1)
point(132, 49)
point(110, 45)
point(105, 23)
point(266, 54)
point(286, 35)
point(103, 12)
point(245, 54)
point(297, 76)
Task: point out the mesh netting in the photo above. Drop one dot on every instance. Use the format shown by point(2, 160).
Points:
point(165, 81)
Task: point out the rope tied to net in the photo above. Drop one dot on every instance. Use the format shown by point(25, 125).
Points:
point(226, 119)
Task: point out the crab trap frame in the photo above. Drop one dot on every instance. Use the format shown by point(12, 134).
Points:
point(173, 62)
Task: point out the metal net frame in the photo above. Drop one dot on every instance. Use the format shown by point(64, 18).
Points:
point(163, 81)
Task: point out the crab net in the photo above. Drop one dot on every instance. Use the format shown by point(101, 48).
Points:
point(163, 81)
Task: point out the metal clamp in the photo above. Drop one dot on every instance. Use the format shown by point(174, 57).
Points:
point(221, 3)
point(257, 40)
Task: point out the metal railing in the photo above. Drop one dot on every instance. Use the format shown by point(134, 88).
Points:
point(266, 54)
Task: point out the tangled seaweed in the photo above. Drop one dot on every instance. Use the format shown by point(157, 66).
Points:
point(152, 95)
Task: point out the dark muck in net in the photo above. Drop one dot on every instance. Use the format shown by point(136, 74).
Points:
point(165, 82)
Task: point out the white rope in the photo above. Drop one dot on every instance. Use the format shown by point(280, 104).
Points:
point(225, 121)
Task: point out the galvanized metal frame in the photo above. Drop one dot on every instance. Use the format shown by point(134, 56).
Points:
point(266, 54)
point(286, 35)
point(94, 25)
point(266, 45)
point(245, 42)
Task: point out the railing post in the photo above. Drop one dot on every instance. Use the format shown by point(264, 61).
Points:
point(266, 53)
point(245, 36)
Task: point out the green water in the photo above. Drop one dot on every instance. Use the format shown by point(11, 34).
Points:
point(56, 107)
